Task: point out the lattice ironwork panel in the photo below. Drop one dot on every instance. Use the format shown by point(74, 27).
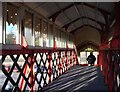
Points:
point(14, 77)
point(13, 73)
point(72, 57)
point(114, 70)
point(27, 69)
point(41, 67)
point(68, 55)
point(111, 69)
point(63, 59)
point(55, 65)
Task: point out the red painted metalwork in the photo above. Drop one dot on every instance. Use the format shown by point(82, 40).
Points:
point(60, 63)
point(32, 79)
point(115, 43)
point(75, 59)
point(47, 66)
point(109, 62)
point(104, 62)
point(24, 43)
point(50, 66)
point(66, 60)
point(71, 58)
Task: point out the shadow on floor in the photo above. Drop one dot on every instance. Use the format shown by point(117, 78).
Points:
point(78, 78)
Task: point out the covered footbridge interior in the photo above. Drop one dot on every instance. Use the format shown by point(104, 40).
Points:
point(44, 46)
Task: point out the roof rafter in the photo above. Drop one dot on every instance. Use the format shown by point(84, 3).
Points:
point(73, 31)
point(54, 16)
point(67, 25)
point(87, 43)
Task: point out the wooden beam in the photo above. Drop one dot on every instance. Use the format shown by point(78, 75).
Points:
point(73, 31)
point(80, 46)
point(67, 25)
point(94, 7)
point(54, 16)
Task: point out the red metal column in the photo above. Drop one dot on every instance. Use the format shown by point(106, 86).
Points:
point(117, 16)
point(75, 58)
point(60, 63)
point(115, 43)
point(71, 61)
point(32, 81)
point(116, 72)
point(111, 73)
point(66, 60)
point(102, 53)
point(106, 67)
point(50, 66)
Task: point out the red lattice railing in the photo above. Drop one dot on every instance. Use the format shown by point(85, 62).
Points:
point(109, 60)
point(33, 68)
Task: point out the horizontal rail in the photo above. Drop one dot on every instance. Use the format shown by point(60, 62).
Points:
point(19, 48)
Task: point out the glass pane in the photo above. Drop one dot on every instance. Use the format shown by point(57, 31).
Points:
point(37, 31)
point(83, 58)
point(71, 41)
point(56, 36)
point(1, 22)
point(63, 39)
point(28, 27)
point(67, 40)
point(11, 26)
point(59, 38)
point(44, 34)
point(50, 35)
point(96, 55)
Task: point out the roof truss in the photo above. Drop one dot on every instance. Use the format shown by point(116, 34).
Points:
point(67, 25)
point(54, 16)
point(85, 44)
point(73, 31)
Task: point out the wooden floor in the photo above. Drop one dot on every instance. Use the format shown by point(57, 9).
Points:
point(78, 78)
